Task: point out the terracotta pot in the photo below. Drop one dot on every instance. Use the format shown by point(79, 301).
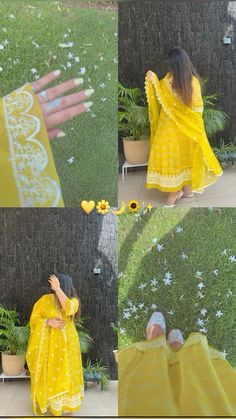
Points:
point(13, 364)
point(136, 152)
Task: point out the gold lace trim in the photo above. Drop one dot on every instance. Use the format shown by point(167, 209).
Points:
point(29, 157)
point(168, 181)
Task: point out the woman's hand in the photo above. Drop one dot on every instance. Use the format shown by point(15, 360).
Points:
point(56, 322)
point(149, 75)
point(56, 108)
point(54, 282)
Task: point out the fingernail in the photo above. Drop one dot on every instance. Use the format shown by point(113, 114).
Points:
point(61, 134)
point(78, 82)
point(88, 105)
point(57, 73)
point(89, 92)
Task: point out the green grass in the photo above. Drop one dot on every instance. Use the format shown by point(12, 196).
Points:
point(206, 236)
point(92, 137)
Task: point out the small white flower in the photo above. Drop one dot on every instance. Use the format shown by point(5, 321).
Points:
point(68, 64)
point(66, 36)
point(127, 315)
point(136, 317)
point(229, 293)
point(184, 256)
point(154, 281)
point(200, 294)
point(133, 309)
point(160, 247)
point(232, 259)
point(153, 306)
point(1, 69)
point(201, 285)
point(200, 322)
point(216, 272)
point(203, 312)
point(4, 29)
point(203, 330)
point(102, 85)
point(198, 274)
point(71, 160)
point(179, 229)
point(103, 99)
point(168, 275)
point(95, 67)
point(224, 252)
point(155, 240)
point(1, 47)
point(70, 55)
point(36, 77)
point(34, 71)
point(167, 281)
point(115, 60)
point(6, 42)
point(141, 305)
point(11, 16)
point(77, 59)
point(120, 274)
point(130, 303)
point(142, 286)
point(171, 312)
point(219, 313)
point(82, 70)
point(71, 44)
point(122, 331)
point(154, 289)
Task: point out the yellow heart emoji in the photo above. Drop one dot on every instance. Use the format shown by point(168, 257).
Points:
point(87, 206)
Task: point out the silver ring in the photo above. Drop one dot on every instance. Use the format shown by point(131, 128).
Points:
point(53, 105)
point(44, 95)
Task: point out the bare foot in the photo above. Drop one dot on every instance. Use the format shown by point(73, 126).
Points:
point(173, 197)
point(176, 345)
point(154, 331)
point(187, 190)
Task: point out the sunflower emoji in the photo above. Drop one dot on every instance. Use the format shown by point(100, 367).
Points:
point(133, 206)
point(103, 207)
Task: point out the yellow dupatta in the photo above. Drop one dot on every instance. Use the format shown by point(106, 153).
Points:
point(156, 380)
point(28, 174)
point(189, 121)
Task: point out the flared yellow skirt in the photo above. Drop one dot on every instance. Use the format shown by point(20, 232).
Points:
point(156, 380)
point(176, 160)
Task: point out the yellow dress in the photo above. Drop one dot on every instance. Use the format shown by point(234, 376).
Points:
point(180, 153)
point(28, 174)
point(156, 380)
point(54, 359)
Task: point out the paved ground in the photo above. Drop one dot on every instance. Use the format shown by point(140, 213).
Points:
point(15, 400)
point(221, 194)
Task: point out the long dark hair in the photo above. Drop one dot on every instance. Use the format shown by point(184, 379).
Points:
point(183, 71)
point(68, 288)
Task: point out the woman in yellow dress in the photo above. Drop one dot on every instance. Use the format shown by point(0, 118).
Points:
point(29, 118)
point(53, 354)
point(170, 377)
point(181, 160)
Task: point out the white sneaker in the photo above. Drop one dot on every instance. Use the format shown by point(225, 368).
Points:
point(175, 335)
point(157, 318)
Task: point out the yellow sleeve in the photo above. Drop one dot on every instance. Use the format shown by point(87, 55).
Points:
point(72, 306)
point(197, 101)
point(154, 106)
point(28, 171)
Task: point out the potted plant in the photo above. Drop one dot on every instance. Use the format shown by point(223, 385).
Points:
point(13, 342)
point(96, 373)
point(86, 341)
point(133, 123)
point(215, 120)
point(226, 153)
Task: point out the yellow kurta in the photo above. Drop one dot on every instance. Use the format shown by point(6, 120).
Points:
point(156, 380)
point(180, 153)
point(54, 359)
point(28, 173)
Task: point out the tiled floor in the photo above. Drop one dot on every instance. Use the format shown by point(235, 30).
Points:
point(221, 194)
point(15, 400)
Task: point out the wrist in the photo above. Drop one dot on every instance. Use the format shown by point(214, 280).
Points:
point(57, 289)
